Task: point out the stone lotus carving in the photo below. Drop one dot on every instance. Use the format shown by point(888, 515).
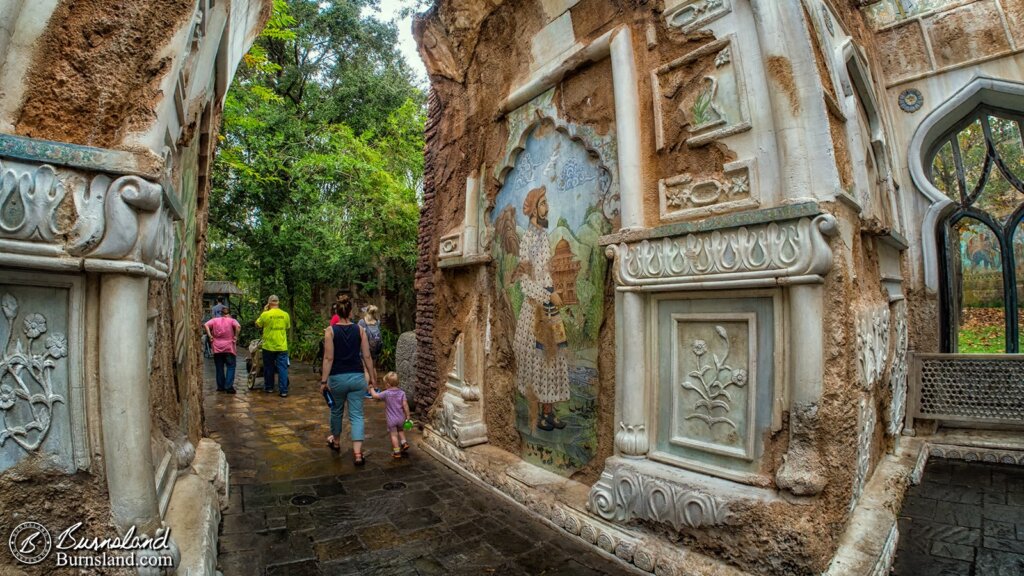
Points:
point(628, 495)
point(29, 203)
point(26, 368)
point(631, 440)
point(898, 372)
point(872, 345)
point(711, 383)
point(790, 248)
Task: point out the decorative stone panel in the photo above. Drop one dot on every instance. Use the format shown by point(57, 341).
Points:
point(687, 195)
point(714, 383)
point(865, 434)
point(689, 15)
point(872, 345)
point(703, 90)
point(898, 371)
point(41, 389)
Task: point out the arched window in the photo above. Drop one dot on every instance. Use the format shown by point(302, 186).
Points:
point(979, 164)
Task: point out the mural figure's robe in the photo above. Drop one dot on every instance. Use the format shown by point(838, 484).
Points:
point(540, 346)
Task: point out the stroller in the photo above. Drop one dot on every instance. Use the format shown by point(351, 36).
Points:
point(254, 364)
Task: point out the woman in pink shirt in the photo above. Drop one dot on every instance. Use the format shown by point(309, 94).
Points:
point(223, 331)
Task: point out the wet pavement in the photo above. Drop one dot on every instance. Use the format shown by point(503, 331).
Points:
point(964, 519)
point(299, 508)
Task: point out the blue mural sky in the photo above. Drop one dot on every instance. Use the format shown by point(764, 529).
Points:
point(574, 179)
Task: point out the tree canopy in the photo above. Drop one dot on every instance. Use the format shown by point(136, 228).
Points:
point(319, 162)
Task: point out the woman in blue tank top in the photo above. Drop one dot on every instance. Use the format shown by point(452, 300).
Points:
point(346, 366)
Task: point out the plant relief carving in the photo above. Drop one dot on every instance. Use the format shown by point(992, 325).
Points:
point(711, 381)
point(26, 367)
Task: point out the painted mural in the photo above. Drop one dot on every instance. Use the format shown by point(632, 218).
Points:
point(183, 272)
point(551, 271)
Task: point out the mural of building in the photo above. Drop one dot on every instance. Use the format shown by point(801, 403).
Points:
point(108, 118)
point(788, 227)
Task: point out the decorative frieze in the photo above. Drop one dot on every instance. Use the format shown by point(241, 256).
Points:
point(113, 223)
point(624, 494)
point(795, 249)
point(872, 345)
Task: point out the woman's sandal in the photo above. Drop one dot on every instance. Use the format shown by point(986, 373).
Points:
point(358, 458)
point(331, 444)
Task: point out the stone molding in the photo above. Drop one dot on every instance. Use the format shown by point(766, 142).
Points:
point(624, 494)
point(54, 217)
point(793, 252)
point(461, 416)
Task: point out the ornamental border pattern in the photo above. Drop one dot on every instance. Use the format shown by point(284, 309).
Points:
point(797, 249)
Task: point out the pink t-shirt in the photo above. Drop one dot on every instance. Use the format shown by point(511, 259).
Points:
point(223, 330)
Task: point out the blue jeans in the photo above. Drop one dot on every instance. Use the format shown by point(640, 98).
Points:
point(224, 367)
point(275, 362)
point(347, 388)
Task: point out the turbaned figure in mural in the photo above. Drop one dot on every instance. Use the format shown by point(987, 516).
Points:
point(540, 343)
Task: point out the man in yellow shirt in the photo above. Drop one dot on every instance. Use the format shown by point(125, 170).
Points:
point(275, 324)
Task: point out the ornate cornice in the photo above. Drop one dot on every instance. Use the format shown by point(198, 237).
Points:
point(55, 217)
point(796, 250)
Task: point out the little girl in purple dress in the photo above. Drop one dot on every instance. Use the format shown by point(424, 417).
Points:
point(396, 410)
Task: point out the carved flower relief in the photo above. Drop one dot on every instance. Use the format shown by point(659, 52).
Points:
point(35, 325)
point(57, 345)
point(739, 185)
point(700, 347)
point(712, 380)
point(7, 397)
point(724, 57)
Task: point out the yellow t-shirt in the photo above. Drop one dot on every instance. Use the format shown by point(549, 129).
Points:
point(275, 323)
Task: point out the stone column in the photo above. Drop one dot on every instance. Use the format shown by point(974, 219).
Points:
point(631, 437)
point(124, 402)
point(801, 472)
point(627, 128)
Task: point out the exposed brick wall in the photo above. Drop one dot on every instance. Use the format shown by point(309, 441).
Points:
point(426, 363)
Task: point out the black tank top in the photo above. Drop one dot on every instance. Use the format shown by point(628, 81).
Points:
point(347, 349)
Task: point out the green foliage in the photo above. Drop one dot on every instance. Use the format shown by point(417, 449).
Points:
point(319, 162)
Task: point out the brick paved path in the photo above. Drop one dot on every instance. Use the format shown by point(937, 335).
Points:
point(298, 508)
point(963, 519)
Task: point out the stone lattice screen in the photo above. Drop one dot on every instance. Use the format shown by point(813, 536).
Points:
point(982, 389)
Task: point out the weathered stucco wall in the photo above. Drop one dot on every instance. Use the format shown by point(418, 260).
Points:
point(86, 85)
point(804, 113)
